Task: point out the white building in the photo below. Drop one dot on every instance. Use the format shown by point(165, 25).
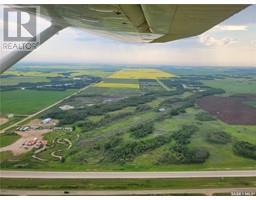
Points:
point(47, 120)
point(66, 107)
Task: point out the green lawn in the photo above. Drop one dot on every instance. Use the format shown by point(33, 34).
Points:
point(233, 86)
point(29, 101)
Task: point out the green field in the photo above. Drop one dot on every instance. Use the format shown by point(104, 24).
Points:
point(29, 101)
point(233, 85)
point(6, 139)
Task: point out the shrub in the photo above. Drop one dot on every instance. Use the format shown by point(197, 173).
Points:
point(142, 130)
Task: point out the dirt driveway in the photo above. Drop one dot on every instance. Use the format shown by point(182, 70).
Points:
point(17, 148)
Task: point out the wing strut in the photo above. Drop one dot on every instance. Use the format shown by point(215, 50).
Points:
point(13, 57)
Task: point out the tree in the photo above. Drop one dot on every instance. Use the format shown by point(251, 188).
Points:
point(245, 149)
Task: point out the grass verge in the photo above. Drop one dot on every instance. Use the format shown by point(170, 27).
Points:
point(127, 184)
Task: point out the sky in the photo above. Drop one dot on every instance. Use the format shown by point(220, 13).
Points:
point(230, 43)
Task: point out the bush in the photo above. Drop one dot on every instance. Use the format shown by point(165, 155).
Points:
point(219, 137)
point(198, 156)
point(183, 136)
point(142, 130)
point(245, 149)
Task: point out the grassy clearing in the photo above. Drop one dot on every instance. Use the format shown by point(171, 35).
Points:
point(141, 74)
point(7, 139)
point(233, 86)
point(117, 85)
point(126, 184)
point(29, 101)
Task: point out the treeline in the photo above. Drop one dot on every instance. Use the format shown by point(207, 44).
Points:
point(180, 153)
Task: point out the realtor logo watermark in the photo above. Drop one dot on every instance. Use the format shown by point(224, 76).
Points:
point(20, 28)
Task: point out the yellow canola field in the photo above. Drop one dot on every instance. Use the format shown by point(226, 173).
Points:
point(141, 74)
point(118, 85)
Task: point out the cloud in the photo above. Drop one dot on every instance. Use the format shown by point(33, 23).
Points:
point(232, 27)
point(208, 40)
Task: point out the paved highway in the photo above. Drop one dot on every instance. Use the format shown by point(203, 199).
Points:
point(124, 175)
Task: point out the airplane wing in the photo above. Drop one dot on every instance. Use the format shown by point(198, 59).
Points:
point(141, 23)
point(133, 22)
